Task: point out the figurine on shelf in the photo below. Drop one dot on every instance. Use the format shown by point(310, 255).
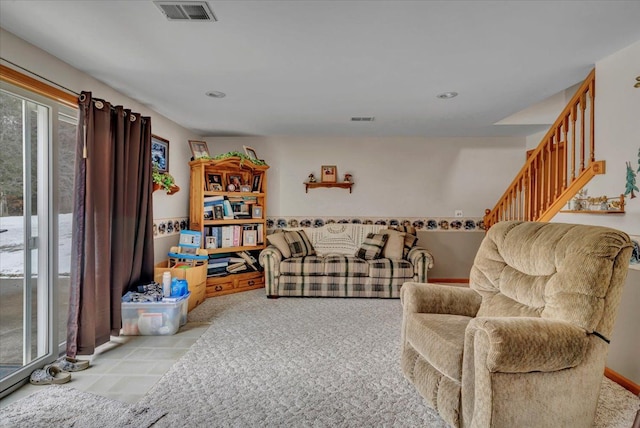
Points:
point(348, 178)
point(312, 178)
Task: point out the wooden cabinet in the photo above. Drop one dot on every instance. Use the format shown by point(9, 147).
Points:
point(244, 215)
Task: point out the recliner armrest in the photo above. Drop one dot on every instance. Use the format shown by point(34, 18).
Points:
point(439, 299)
point(524, 344)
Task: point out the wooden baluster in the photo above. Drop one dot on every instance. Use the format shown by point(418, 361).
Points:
point(527, 193)
point(592, 95)
point(565, 126)
point(573, 143)
point(582, 124)
point(549, 172)
point(556, 166)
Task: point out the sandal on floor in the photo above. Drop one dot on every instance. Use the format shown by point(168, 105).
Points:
point(69, 364)
point(49, 375)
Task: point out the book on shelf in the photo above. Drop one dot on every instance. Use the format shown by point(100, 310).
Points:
point(260, 230)
point(237, 267)
point(227, 236)
point(227, 210)
point(237, 238)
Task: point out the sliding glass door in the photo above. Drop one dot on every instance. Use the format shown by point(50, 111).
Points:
point(32, 326)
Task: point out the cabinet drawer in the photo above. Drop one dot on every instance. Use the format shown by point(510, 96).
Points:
point(216, 286)
point(253, 282)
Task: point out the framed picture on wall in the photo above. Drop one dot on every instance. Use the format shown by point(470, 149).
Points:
point(160, 153)
point(199, 149)
point(329, 173)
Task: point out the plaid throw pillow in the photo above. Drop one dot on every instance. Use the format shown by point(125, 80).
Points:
point(410, 238)
point(299, 243)
point(372, 246)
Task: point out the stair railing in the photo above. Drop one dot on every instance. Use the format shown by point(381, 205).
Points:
point(558, 168)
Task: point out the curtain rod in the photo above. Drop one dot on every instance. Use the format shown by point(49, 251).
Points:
point(41, 77)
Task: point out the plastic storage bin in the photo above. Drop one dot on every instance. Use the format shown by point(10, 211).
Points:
point(154, 318)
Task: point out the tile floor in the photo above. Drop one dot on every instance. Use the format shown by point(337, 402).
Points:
point(128, 366)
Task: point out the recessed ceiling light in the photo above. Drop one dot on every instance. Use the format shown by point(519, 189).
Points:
point(216, 94)
point(447, 95)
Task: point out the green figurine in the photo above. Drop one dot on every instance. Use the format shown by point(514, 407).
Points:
point(631, 182)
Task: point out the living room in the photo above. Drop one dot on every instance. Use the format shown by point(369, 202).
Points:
point(397, 175)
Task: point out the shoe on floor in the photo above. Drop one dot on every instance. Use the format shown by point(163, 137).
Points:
point(69, 364)
point(49, 375)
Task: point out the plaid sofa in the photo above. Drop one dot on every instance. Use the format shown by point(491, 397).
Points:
point(335, 271)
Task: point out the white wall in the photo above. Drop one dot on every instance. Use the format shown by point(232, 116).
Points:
point(409, 177)
point(38, 61)
point(617, 137)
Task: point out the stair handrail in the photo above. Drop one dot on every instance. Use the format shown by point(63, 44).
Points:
point(559, 128)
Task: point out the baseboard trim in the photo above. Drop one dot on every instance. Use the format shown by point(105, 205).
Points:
point(622, 381)
point(450, 280)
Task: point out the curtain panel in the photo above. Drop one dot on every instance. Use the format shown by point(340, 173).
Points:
point(112, 241)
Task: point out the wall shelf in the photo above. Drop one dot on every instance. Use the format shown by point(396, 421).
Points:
point(343, 185)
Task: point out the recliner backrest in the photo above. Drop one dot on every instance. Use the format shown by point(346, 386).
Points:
point(561, 271)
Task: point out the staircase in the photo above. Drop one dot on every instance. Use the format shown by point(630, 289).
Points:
point(558, 168)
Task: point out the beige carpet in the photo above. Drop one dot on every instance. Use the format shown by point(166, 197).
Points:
point(300, 362)
point(57, 406)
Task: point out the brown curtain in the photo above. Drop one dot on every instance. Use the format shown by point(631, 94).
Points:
point(112, 226)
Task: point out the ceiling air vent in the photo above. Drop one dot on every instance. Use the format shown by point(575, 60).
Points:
point(363, 119)
point(186, 10)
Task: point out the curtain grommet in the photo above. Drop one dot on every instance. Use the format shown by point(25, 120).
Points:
point(99, 104)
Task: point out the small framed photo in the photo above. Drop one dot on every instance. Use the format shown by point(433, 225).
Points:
point(199, 149)
point(250, 238)
point(245, 188)
point(214, 182)
point(256, 183)
point(329, 173)
point(236, 181)
point(210, 242)
point(218, 212)
point(250, 152)
point(160, 153)
point(256, 211)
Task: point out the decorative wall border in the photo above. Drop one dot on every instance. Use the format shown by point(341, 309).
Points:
point(430, 224)
point(163, 227)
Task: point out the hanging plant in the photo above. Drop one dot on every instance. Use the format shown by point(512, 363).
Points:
point(164, 181)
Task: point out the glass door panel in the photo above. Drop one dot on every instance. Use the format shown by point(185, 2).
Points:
point(24, 231)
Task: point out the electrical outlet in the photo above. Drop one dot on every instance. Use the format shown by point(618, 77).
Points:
point(458, 213)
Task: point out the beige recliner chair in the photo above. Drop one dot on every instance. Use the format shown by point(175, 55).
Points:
point(526, 344)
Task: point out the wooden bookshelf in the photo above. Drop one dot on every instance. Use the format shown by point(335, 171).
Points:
point(203, 175)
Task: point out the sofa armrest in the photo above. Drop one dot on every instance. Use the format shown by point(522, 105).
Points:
point(270, 259)
point(422, 261)
point(439, 299)
point(523, 344)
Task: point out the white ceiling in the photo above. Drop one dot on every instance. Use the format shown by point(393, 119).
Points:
point(307, 67)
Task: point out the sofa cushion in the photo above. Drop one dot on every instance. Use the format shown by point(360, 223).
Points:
point(393, 249)
point(372, 246)
point(308, 265)
point(339, 265)
point(388, 268)
point(299, 243)
point(410, 238)
point(439, 339)
point(278, 241)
